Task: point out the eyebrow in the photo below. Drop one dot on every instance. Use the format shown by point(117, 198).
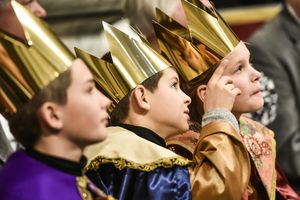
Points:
point(90, 81)
point(25, 3)
point(175, 77)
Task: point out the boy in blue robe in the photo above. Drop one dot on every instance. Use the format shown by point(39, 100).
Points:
point(149, 106)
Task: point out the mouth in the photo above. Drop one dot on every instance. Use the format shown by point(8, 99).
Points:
point(106, 120)
point(256, 92)
point(187, 112)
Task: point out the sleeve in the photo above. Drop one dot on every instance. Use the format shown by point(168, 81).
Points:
point(222, 169)
point(161, 183)
point(283, 189)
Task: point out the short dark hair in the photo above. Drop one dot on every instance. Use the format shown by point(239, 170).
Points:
point(119, 114)
point(25, 124)
point(196, 106)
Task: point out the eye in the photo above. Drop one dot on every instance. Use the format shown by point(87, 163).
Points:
point(90, 88)
point(26, 2)
point(175, 84)
point(239, 69)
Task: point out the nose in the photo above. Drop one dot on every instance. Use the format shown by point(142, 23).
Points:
point(105, 101)
point(37, 9)
point(256, 75)
point(187, 99)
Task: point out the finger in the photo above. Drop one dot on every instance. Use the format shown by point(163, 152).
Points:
point(219, 72)
point(230, 86)
point(236, 91)
point(224, 80)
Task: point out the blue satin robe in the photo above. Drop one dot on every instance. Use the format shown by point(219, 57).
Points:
point(160, 184)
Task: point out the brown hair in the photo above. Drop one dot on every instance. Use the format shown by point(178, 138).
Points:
point(196, 106)
point(25, 125)
point(120, 113)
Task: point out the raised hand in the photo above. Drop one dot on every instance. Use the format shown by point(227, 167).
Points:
point(219, 91)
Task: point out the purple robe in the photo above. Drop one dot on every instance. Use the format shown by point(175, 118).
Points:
point(24, 178)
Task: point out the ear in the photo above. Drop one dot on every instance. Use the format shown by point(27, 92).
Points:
point(51, 115)
point(140, 96)
point(201, 92)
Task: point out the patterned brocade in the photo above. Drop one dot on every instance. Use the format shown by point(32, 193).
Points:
point(121, 163)
point(221, 161)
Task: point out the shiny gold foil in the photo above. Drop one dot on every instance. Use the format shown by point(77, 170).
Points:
point(106, 76)
point(187, 58)
point(134, 60)
point(209, 30)
point(172, 25)
point(41, 58)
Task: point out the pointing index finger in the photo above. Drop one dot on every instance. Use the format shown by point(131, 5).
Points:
point(219, 71)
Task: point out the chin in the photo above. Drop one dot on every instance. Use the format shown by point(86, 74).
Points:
point(184, 128)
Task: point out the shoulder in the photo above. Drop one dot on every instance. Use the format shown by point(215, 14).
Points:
point(123, 148)
point(250, 126)
point(25, 178)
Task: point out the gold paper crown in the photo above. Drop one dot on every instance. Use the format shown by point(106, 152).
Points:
point(133, 62)
point(40, 59)
point(188, 60)
point(172, 25)
point(211, 40)
point(208, 28)
point(107, 78)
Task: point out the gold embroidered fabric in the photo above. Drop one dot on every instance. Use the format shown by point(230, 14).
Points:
point(124, 148)
point(222, 169)
point(90, 192)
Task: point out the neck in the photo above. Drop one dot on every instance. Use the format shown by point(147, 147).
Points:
point(144, 122)
point(55, 146)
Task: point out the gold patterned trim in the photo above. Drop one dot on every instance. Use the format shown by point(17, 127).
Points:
point(182, 144)
point(121, 163)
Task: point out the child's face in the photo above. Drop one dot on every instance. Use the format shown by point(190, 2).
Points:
point(169, 105)
point(84, 116)
point(246, 78)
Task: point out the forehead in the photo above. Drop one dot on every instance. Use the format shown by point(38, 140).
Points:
point(239, 54)
point(169, 73)
point(80, 72)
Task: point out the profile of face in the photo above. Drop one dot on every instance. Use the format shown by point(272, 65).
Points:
point(84, 116)
point(246, 78)
point(169, 105)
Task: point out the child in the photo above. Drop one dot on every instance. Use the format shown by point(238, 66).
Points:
point(212, 38)
point(61, 114)
point(7, 143)
point(133, 163)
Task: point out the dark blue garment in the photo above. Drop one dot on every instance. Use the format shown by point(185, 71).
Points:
point(129, 184)
point(134, 164)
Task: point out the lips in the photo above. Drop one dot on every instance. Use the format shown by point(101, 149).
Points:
point(256, 92)
point(187, 113)
point(106, 120)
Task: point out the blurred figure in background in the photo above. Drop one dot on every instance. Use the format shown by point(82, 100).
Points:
point(275, 50)
point(78, 22)
point(7, 142)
